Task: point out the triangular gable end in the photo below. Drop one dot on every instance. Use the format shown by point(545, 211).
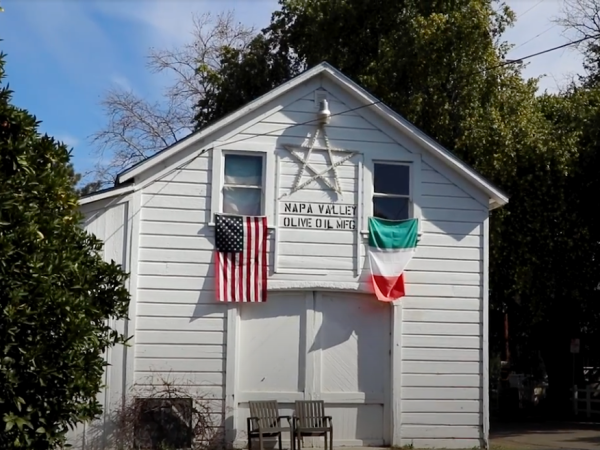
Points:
point(362, 97)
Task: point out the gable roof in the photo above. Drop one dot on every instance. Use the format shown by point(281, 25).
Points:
point(497, 196)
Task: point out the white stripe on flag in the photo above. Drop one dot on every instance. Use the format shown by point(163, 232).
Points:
point(389, 262)
point(228, 276)
point(251, 256)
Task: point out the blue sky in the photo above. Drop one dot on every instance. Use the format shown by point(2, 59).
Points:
point(62, 55)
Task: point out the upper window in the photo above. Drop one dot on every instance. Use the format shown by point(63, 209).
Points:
point(243, 185)
point(391, 191)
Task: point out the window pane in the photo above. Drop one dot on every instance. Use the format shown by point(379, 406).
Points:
point(242, 201)
point(391, 179)
point(243, 169)
point(390, 208)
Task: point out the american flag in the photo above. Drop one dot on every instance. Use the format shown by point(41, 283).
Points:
point(241, 258)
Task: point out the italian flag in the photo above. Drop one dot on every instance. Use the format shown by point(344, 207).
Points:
point(392, 244)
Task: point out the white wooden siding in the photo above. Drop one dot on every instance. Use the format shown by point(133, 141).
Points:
point(301, 345)
point(178, 319)
point(180, 330)
point(108, 222)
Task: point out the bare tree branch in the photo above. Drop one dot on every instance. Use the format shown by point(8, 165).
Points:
point(581, 16)
point(581, 19)
point(137, 128)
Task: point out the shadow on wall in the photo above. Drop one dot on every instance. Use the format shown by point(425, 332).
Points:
point(207, 303)
point(280, 347)
point(354, 341)
point(167, 415)
point(449, 208)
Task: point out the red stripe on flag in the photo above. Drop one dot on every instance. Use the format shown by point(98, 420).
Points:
point(256, 264)
point(248, 250)
point(240, 276)
point(231, 276)
point(263, 263)
point(388, 289)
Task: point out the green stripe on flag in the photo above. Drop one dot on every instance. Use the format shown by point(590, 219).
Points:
point(393, 234)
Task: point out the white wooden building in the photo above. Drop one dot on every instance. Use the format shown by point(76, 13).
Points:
point(414, 371)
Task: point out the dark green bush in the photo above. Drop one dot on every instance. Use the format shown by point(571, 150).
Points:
point(57, 295)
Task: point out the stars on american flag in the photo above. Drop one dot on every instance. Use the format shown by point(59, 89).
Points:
point(229, 234)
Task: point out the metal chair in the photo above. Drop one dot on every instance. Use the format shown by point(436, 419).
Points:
point(265, 421)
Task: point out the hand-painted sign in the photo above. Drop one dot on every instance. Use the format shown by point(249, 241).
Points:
point(321, 209)
point(323, 216)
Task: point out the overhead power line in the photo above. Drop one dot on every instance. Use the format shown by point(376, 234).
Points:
point(533, 55)
point(536, 36)
point(497, 66)
point(531, 9)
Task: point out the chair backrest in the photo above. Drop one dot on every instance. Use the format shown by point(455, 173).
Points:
point(310, 413)
point(266, 412)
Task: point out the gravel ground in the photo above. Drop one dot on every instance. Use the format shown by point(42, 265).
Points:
point(545, 436)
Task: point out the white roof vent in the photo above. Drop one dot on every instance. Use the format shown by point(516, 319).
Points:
point(320, 95)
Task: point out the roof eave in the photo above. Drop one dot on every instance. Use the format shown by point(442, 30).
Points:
point(498, 198)
point(163, 155)
point(106, 193)
point(496, 203)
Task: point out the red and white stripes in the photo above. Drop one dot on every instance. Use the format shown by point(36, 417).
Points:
point(242, 277)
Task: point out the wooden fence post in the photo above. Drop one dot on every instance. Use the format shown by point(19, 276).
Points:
point(575, 405)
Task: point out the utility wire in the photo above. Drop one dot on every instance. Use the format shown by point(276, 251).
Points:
point(533, 55)
point(497, 66)
point(536, 36)
point(287, 127)
point(578, 41)
point(532, 8)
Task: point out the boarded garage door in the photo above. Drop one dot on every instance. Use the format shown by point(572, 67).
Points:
point(316, 345)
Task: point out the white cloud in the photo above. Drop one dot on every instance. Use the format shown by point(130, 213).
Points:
point(69, 32)
point(74, 34)
point(121, 81)
point(169, 23)
point(68, 139)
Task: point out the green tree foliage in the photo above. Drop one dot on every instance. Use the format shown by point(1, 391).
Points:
point(85, 189)
point(57, 295)
point(442, 66)
point(244, 74)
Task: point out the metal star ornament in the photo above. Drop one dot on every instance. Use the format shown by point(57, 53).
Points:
point(317, 175)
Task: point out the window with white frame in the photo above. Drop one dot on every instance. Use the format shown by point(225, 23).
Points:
point(243, 184)
point(391, 190)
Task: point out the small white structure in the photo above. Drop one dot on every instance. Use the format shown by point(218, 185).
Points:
point(414, 371)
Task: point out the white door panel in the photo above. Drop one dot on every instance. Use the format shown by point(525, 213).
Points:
point(312, 345)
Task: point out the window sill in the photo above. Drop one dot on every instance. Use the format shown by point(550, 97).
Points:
point(270, 228)
point(365, 234)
